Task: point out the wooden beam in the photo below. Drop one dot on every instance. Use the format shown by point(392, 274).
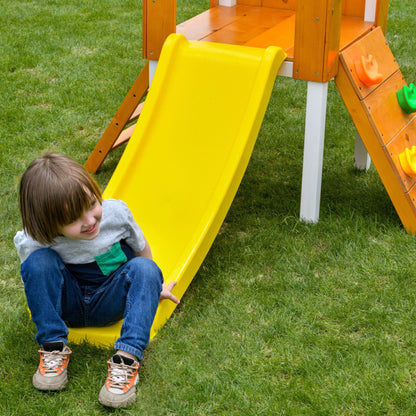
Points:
point(159, 21)
point(317, 37)
point(119, 121)
point(382, 14)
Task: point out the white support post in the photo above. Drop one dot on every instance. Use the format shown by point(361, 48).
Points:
point(152, 70)
point(362, 160)
point(227, 3)
point(286, 69)
point(370, 10)
point(313, 151)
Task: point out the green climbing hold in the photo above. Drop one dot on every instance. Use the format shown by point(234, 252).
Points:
point(407, 98)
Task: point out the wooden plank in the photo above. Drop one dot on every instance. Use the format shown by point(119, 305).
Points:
point(136, 113)
point(127, 132)
point(255, 3)
point(280, 4)
point(160, 21)
point(282, 34)
point(406, 138)
point(332, 38)
point(210, 21)
point(250, 25)
point(373, 44)
point(382, 14)
point(384, 110)
point(124, 136)
point(309, 40)
point(353, 8)
point(119, 121)
point(351, 29)
point(402, 201)
point(275, 4)
point(274, 27)
point(317, 34)
point(412, 198)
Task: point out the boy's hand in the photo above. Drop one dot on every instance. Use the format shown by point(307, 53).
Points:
point(167, 292)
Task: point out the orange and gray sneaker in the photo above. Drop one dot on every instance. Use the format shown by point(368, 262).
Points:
point(119, 389)
point(52, 371)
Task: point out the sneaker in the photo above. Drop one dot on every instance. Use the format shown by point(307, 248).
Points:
point(119, 389)
point(52, 371)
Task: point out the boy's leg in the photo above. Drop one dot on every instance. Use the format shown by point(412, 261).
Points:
point(132, 293)
point(141, 306)
point(51, 293)
point(135, 291)
point(49, 290)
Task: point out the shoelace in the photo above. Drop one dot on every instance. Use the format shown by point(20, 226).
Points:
point(120, 375)
point(53, 360)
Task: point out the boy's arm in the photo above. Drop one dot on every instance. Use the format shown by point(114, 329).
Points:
point(166, 289)
point(167, 292)
point(146, 252)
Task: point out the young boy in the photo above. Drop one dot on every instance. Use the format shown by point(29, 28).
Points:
point(84, 262)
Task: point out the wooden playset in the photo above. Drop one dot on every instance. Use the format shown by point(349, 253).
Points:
point(324, 40)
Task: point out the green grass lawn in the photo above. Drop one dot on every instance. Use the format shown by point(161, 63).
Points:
point(283, 318)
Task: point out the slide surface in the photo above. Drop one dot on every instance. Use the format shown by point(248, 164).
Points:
point(185, 160)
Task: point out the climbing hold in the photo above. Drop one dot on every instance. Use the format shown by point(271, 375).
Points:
point(407, 98)
point(408, 161)
point(367, 71)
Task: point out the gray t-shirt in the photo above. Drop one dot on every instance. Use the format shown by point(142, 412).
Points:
point(117, 224)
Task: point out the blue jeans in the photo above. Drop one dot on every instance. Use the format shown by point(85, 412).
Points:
point(57, 301)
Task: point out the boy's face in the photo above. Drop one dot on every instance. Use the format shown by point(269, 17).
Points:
point(87, 227)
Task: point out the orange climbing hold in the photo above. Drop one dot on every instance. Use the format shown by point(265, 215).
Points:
point(367, 71)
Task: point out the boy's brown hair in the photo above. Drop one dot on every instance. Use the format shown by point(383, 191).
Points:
point(54, 192)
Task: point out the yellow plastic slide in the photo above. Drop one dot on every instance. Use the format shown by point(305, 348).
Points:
point(182, 167)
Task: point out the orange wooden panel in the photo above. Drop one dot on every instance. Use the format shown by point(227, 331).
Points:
point(353, 8)
point(212, 20)
point(282, 34)
point(351, 29)
point(256, 3)
point(252, 24)
point(263, 17)
point(373, 44)
point(332, 38)
point(402, 202)
point(159, 21)
point(276, 4)
point(383, 108)
point(234, 34)
point(309, 40)
point(412, 200)
point(317, 35)
point(280, 4)
point(213, 3)
point(382, 14)
point(406, 138)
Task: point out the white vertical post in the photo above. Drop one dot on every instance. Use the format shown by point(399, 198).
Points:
point(370, 10)
point(152, 70)
point(362, 160)
point(313, 151)
point(227, 3)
